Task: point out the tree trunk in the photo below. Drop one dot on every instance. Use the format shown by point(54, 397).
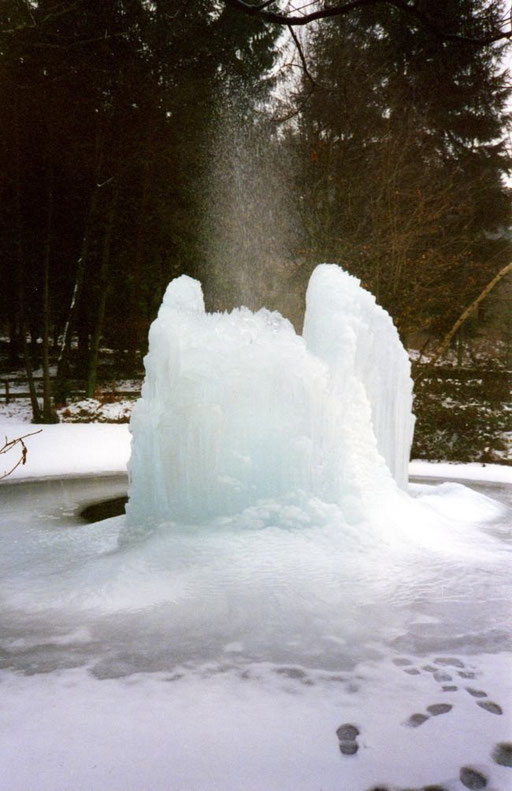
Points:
point(34, 403)
point(134, 338)
point(102, 284)
point(14, 336)
point(20, 261)
point(82, 336)
point(63, 361)
point(460, 347)
point(465, 314)
point(48, 416)
point(462, 318)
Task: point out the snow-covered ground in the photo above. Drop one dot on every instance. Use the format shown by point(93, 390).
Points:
point(226, 729)
point(106, 687)
point(65, 449)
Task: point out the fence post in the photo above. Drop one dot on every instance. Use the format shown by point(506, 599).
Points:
point(6, 384)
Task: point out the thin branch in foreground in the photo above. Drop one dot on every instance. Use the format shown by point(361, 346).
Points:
point(301, 54)
point(343, 9)
point(10, 444)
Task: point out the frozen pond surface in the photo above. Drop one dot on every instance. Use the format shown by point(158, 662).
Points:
point(282, 583)
point(201, 660)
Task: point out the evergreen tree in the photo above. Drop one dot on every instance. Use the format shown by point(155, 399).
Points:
point(404, 155)
point(105, 112)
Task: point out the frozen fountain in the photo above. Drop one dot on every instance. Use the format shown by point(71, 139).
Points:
point(268, 502)
point(272, 580)
point(237, 407)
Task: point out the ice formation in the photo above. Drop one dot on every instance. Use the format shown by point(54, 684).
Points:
point(314, 592)
point(237, 407)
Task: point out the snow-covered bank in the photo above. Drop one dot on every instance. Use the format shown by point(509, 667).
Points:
point(66, 449)
point(93, 448)
point(491, 473)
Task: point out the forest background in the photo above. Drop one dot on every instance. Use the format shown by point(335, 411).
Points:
point(143, 140)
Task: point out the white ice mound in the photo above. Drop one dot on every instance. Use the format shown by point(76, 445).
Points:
point(346, 328)
point(236, 407)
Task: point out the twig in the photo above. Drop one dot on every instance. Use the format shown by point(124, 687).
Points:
point(10, 444)
point(301, 55)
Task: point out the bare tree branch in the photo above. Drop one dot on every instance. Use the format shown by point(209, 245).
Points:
point(465, 314)
point(410, 9)
point(301, 55)
point(10, 444)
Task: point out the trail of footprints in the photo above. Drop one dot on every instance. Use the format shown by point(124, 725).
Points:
point(443, 670)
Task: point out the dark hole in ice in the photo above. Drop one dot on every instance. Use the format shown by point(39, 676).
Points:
point(96, 512)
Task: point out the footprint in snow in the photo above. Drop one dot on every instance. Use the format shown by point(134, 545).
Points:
point(489, 706)
point(450, 661)
point(347, 735)
point(502, 754)
point(435, 709)
point(472, 778)
point(476, 693)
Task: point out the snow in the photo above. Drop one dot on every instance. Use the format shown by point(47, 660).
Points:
point(216, 731)
point(192, 662)
point(18, 411)
point(224, 650)
point(493, 473)
point(66, 450)
point(96, 410)
point(108, 407)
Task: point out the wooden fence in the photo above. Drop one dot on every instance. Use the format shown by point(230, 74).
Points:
point(9, 388)
point(76, 387)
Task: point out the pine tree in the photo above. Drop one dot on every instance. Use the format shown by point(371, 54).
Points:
point(106, 108)
point(404, 155)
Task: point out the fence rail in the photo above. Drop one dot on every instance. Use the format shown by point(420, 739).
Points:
point(9, 388)
point(76, 387)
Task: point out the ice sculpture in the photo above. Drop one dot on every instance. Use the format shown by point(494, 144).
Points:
point(237, 407)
